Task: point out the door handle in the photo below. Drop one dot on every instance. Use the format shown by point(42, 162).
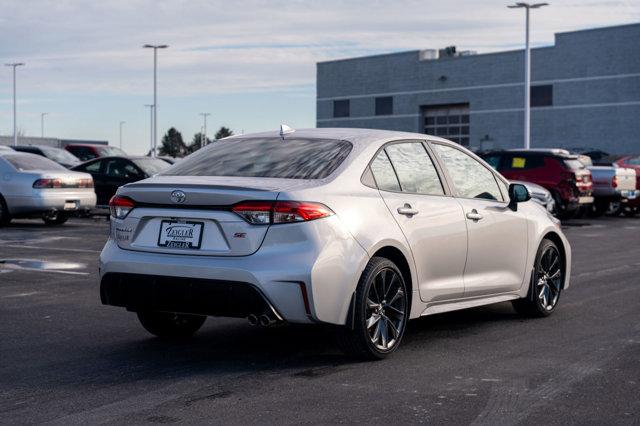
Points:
point(407, 210)
point(474, 215)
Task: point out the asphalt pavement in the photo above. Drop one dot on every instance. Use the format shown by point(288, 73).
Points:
point(67, 359)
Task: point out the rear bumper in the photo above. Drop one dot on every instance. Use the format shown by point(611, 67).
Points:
point(317, 259)
point(44, 201)
point(138, 292)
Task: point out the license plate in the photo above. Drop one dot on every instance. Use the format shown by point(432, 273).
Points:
point(585, 200)
point(180, 234)
point(631, 195)
point(71, 205)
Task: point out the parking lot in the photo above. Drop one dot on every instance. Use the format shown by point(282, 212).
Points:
point(67, 359)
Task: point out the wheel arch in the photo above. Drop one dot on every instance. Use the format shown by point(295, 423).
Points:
point(559, 242)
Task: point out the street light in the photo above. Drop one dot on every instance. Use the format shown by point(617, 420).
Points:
point(527, 70)
point(15, 124)
point(203, 138)
point(150, 106)
point(121, 123)
point(42, 114)
point(155, 92)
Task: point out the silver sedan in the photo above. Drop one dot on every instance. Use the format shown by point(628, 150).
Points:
point(34, 186)
point(363, 229)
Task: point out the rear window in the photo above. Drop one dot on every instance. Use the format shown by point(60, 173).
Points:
point(268, 157)
point(28, 162)
point(111, 151)
point(574, 164)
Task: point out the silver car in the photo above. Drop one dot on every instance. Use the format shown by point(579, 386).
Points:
point(34, 186)
point(363, 229)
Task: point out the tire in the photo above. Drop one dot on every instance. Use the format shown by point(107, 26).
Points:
point(387, 314)
point(170, 325)
point(5, 217)
point(630, 211)
point(598, 208)
point(561, 208)
point(615, 208)
point(545, 287)
point(55, 218)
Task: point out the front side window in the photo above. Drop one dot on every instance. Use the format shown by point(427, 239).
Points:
point(265, 157)
point(414, 168)
point(470, 178)
point(120, 169)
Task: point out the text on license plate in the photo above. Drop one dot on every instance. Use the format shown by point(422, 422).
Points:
point(180, 234)
point(71, 205)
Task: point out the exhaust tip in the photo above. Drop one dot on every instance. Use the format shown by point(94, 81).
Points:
point(253, 320)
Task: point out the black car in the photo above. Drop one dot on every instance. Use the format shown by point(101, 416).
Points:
point(60, 156)
point(110, 173)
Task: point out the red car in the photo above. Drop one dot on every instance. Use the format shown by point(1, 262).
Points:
point(632, 162)
point(87, 151)
point(562, 174)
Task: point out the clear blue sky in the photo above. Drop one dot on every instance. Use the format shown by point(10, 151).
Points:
point(251, 64)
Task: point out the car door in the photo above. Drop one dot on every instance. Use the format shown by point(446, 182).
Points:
point(94, 168)
point(497, 235)
point(431, 220)
point(118, 172)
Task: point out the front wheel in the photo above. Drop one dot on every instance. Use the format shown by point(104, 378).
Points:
point(380, 314)
point(546, 283)
point(171, 325)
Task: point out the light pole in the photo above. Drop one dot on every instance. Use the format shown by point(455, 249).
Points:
point(121, 123)
point(155, 48)
point(527, 70)
point(150, 106)
point(204, 139)
point(42, 114)
point(15, 124)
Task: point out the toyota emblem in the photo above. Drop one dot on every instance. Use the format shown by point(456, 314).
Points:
point(178, 197)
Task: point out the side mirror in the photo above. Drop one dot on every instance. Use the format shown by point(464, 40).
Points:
point(518, 193)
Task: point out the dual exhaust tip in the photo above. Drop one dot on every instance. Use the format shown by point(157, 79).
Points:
point(263, 320)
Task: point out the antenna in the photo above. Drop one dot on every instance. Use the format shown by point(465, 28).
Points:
point(285, 130)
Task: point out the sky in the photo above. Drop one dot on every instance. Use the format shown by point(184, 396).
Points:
point(250, 64)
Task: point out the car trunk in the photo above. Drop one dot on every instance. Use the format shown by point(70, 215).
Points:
point(204, 216)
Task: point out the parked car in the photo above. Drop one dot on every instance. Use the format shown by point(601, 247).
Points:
point(561, 173)
point(540, 195)
point(596, 155)
point(109, 173)
point(632, 205)
point(168, 159)
point(612, 184)
point(363, 229)
point(60, 156)
point(5, 149)
point(87, 151)
point(34, 186)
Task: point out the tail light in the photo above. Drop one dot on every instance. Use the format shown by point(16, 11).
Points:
point(274, 212)
point(85, 183)
point(120, 206)
point(614, 182)
point(47, 183)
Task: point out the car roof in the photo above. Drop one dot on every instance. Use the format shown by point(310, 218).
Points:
point(356, 136)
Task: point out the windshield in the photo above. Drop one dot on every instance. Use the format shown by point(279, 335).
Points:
point(60, 155)
point(265, 157)
point(151, 166)
point(28, 162)
point(111, 151)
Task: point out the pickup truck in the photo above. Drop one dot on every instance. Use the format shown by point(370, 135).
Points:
point(611, 184)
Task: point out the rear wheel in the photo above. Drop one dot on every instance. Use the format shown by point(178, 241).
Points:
point(171, 325)
point(5, 217)
point(562, 210)
point(615, 208)
point(55, 218)
point(381, 312)
point(546, 283)
point(599, 208)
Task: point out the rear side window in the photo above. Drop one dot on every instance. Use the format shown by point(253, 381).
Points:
point(383, 173)
point(523, 162)
point(414, 168)
point(470, 178)
point(493, 161)
point(574, 164)
point(82, 152)
point(265, 157)
point(28, 162)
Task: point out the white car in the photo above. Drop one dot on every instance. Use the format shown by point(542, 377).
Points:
point(364, 229)
point(34, 186)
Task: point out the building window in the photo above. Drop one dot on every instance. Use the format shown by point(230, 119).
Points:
point(542, 95)
point(341, 108)
point(448, 121)
point(384, 105)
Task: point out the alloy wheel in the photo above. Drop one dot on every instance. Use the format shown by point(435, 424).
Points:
point(548, 278)
point(386, 309)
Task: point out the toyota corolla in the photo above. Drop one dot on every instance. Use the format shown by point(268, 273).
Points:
point(362, 229)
